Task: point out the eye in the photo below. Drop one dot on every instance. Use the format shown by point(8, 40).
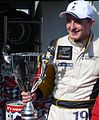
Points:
point(68, 20)
point(78, 21)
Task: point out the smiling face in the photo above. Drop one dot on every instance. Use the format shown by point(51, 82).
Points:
point(78, 29)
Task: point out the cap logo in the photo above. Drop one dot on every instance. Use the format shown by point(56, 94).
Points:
point(73, 7)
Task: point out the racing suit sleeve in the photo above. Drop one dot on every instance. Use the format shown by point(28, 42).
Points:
point(47, 85)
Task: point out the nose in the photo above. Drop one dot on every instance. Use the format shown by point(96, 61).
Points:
point(72, 24)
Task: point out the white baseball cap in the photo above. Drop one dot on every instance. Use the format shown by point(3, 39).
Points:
point(79, 9)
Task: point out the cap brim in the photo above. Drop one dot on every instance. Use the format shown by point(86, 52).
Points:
point(63, 14)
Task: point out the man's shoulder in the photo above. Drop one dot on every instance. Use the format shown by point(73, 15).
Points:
point(63, 37)
point(60, 39)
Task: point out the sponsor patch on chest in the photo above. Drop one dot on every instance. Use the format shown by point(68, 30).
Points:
point(64, 53)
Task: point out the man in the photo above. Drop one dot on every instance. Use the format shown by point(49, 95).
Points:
point(75, 67)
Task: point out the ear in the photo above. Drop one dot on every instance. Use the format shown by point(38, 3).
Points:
point(92, 22)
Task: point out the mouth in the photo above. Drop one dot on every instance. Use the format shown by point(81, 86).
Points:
point(74, 32)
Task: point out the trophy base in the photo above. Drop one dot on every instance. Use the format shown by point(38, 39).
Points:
point(28, 112)
point(31, 116)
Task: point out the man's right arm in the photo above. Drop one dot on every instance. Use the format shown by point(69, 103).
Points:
point(44, 89)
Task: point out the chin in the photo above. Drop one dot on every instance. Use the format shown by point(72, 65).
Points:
point(74, 37)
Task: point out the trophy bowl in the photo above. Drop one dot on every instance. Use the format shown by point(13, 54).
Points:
point(25, 68)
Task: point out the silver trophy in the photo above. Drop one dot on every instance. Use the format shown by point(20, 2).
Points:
point(29, 72)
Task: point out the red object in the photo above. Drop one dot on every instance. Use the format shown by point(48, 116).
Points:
point(10, 90)
point(13, 110)
point(36, 77)
point(14, 106)
point(8, 82)
point(95, 110)
point(38, 73)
